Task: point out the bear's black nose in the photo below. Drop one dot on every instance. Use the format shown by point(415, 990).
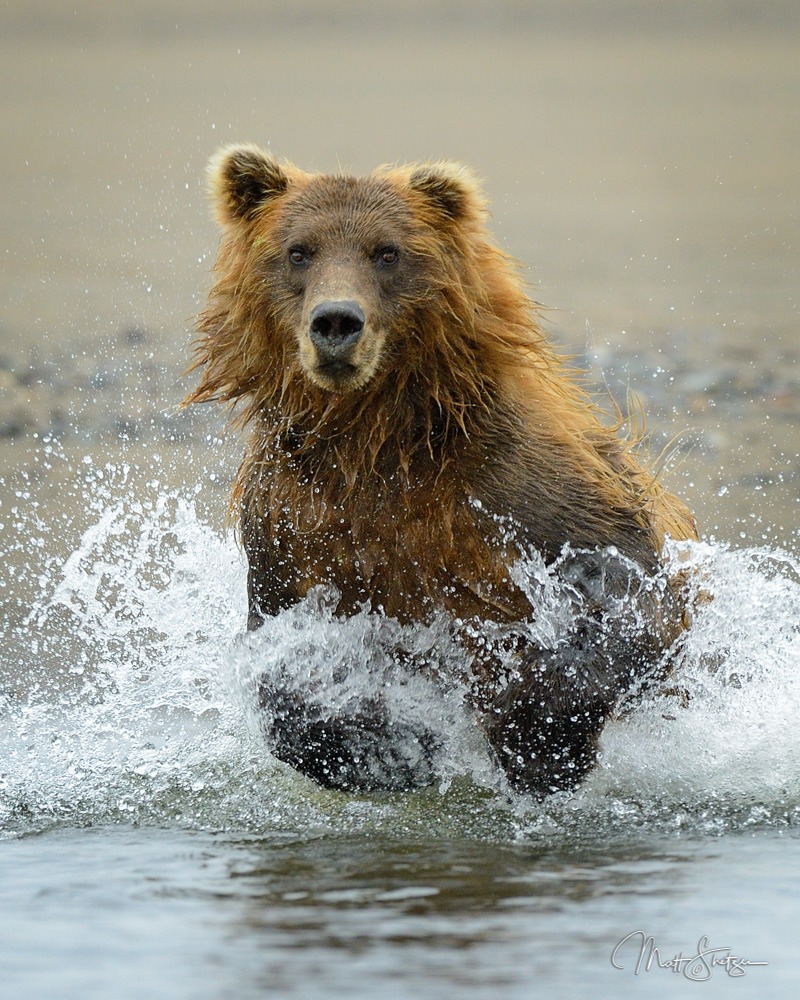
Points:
point(336, 326)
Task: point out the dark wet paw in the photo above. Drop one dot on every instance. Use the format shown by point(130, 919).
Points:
point(359, 749)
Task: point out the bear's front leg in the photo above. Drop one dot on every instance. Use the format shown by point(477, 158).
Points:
point(544, 725)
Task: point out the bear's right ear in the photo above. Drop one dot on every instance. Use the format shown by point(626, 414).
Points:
point(241, 179)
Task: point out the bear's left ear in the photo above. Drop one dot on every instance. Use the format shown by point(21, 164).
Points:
point(451, 187)
point(243, 178)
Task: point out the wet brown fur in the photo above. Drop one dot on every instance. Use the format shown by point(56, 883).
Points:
point(456, 397)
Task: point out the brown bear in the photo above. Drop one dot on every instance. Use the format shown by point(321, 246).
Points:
point(414, 439)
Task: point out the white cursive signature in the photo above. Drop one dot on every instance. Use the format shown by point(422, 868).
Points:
point(698, 967)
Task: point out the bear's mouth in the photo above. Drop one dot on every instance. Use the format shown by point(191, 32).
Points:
point(336, 372)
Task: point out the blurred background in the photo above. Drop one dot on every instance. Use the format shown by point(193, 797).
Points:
point(642, 159)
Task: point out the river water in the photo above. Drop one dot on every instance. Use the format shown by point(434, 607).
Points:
point(648, 170)
point(153, 848)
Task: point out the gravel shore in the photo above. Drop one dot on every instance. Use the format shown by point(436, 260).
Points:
point(730, 434)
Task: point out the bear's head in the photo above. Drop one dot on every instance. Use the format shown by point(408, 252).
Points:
point(336, 276)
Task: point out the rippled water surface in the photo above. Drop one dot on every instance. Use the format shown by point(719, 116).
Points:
point(312, 912)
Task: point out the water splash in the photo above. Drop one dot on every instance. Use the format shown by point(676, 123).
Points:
point(141, 704)
point(722, 742)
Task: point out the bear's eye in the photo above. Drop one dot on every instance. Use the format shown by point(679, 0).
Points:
point(387, 256)
point(299, 255)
